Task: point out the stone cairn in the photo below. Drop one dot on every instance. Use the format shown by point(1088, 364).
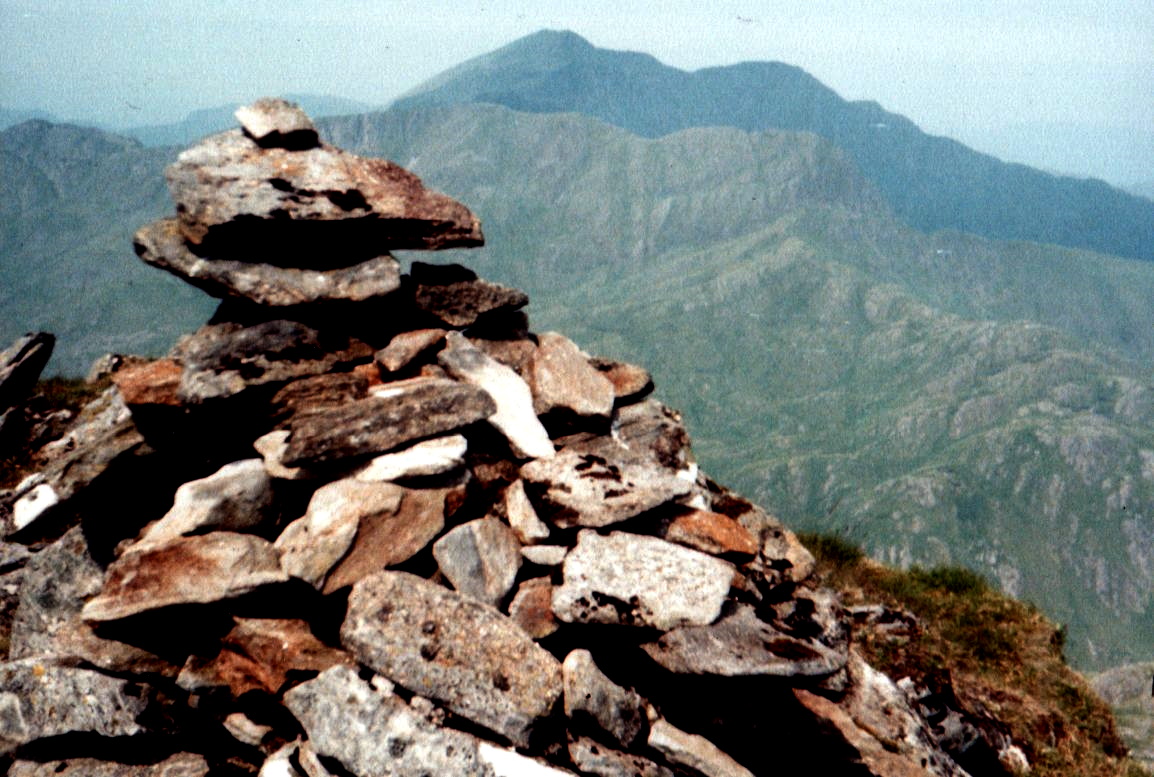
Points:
point(366, 523)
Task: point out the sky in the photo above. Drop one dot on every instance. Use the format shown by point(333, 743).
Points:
point(1065, 85)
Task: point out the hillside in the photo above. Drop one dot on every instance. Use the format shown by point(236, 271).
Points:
point(931, 182)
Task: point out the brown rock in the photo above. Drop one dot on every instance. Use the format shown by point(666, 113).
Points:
point(318, 392)
point(592, 757)
point(453, 649)
point(514, 354)
point(455, 295)
point(260, 654)
point(711, 533)
point(238, 201)
point(179, 765)
point(394, 414)
point(385, 540)
point(161, 245)
point(407, 346)
point(532, 608)
point(630, 382)
point(189, 570)
point(562, 379)
point(150, 383)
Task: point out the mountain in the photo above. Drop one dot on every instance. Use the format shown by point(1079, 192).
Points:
point(12, 116)
point(932, 182)
point(935, 397)
point(209, 120)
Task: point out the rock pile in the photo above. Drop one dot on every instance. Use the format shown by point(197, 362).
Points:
point(366, 523)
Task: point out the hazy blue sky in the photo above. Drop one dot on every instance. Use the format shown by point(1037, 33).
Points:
point(1061, 84)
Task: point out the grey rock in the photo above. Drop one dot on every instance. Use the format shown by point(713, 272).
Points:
point(453, 649)
point(457, 298)
point(20, 366)
point(275, 123)
point(39, 700)
point(635, 580)
point(592, 757)
point(395, 414)
point(694, 751)
point(590, 695)
point(179, 765)
point(312, 545)
point(407, 346)
point(480, 558)
point(430, 457)
point(47, 624)
point(587, 489)
point(386, 539)
point(188, 570)
point(562, 379)
point(223, 360)
point(375, 733)
point(233, 196)
point(237, 497)
point(515, 417)
point(161, 245)
point(740, 645)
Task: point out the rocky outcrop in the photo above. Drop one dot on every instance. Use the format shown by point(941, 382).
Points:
point(404, 536)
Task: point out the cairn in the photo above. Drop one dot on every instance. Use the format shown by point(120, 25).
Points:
point(366, 523)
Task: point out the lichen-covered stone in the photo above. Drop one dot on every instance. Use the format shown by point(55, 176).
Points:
point(451, 648)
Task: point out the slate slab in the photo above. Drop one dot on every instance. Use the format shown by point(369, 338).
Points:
point(453, 649)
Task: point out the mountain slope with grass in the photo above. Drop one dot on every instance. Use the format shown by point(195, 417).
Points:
point(931, 182)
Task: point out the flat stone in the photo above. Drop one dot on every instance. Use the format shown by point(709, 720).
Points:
point(513, 353)
point(189, 570)
point(39, 700)
point(713, 533)
point(223, 360)
point(739, 645)
point(630, 382)
point(179, 765)
point(393, 415)
point(430, 457)
point(636, 580)
point(545, 555)
point(150, 383)
point(480, 558)
point(275, 123)
point(161, 244)
point(450, 648)
point(587, 489)
point(694, 751)
point(521, 515)
point(532, 608)
point(562, 379)
point(374, 733)
point(237, 497)
point(405, 347)
point(387, 539)
point(261, 654)
point(592, 757)
point(318, 392)
point(456, 297)
point(312, 545)
point(509, 763)
point(237, 200)
point(47, 624)
point(20, 366)
point(591, 696)
point(245, 730)
point(515, 417)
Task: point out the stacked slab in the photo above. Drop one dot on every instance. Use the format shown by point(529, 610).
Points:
point(367, 523)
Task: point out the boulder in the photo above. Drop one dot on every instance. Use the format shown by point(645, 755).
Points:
point(453, 649)
point(236, 200)
point(635, 580)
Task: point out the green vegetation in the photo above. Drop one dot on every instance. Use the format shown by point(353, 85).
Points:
point(999, 654)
